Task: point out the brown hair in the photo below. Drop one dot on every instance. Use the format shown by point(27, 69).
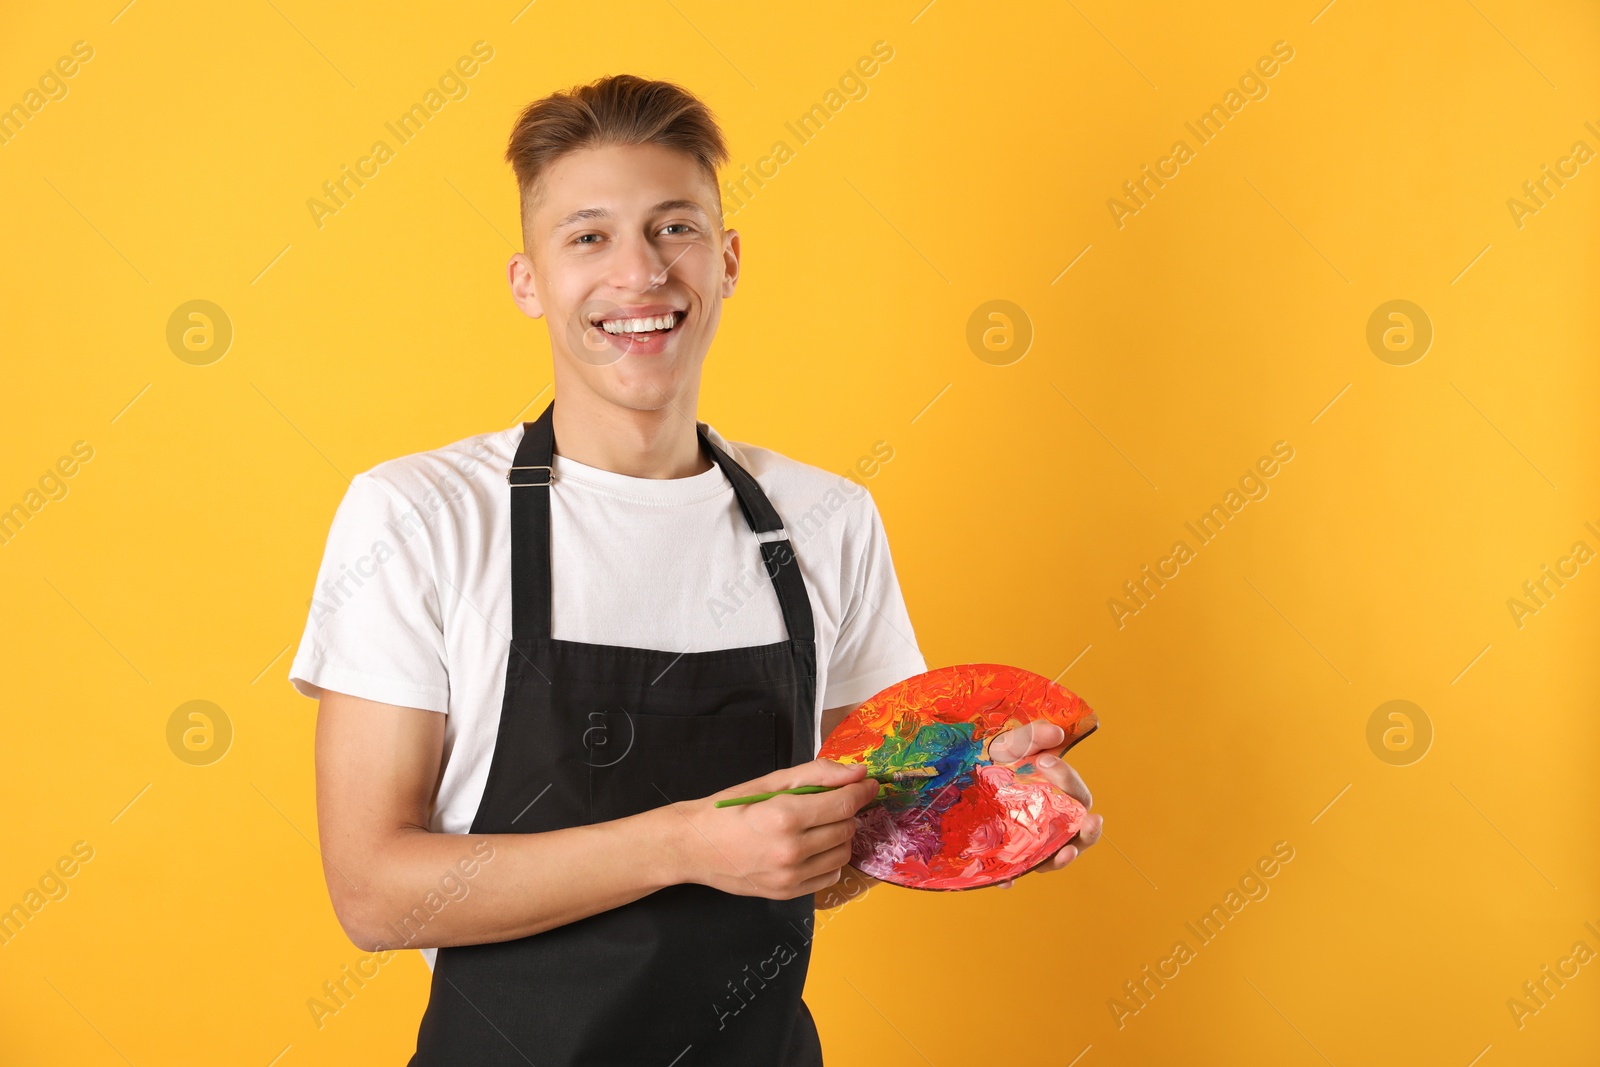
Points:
point(620, 109)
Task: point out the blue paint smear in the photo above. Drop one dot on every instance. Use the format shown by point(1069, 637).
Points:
point(948, 747)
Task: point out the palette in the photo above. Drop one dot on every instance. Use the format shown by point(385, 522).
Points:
point(974, 822)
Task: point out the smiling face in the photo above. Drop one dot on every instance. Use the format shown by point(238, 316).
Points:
point(627, 261)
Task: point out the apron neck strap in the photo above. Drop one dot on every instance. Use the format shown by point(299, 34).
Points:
point(530, 476)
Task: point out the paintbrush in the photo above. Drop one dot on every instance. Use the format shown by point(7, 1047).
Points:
point(882, 778)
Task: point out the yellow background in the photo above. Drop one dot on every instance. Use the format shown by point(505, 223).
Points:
point(1223, 317)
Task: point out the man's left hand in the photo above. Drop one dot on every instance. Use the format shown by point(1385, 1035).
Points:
point(1040, 737)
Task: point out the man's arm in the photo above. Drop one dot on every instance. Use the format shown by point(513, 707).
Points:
point(396, 884)
point(377, 766)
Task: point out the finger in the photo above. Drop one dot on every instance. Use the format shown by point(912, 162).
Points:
point(836, 805)
point(1089, 832)
point(849, 883)
point(816, 772)
point(1066, 855)
point(819, 883)
point(833, 860)
point(1061, 774)
point(1087, 835)
point(816, 840)
point(1020, 741)
point(842, 805)
point(825, 871)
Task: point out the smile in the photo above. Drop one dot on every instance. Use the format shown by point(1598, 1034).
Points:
point(648, 325)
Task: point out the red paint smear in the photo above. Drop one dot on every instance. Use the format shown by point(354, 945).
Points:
point(991, 696)
point(1002, 824)
point(975, 824)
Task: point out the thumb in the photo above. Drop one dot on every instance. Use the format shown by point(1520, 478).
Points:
point(1025, 740)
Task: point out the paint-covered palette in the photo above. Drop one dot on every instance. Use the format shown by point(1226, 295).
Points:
point(973, 822)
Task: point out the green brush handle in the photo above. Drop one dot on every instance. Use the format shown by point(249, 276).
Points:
point(884, 779)
point(775, 793)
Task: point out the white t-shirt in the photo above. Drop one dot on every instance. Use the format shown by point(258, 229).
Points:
point(412, 604)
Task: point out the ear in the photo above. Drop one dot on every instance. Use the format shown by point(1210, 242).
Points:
point(730, 262)
point(520, 272)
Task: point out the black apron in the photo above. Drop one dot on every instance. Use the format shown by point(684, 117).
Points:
point(688, 975)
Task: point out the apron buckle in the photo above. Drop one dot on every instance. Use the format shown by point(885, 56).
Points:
point(517, 480)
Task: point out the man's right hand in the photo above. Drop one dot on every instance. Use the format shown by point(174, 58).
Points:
point(782, 847)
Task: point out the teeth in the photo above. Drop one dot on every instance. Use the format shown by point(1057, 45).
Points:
point(660, 322)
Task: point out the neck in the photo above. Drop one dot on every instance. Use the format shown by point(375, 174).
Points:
point(663, 443)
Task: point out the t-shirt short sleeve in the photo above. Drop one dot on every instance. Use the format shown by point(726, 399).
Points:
point(877, 646)
point(375, 629)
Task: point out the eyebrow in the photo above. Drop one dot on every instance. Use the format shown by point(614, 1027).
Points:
point(583, 214)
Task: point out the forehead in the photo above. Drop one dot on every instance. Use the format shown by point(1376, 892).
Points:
point(619, 181)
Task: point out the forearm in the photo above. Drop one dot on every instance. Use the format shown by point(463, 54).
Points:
point(417, 889)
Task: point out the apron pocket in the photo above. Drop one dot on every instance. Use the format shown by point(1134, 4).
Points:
point(676, 757)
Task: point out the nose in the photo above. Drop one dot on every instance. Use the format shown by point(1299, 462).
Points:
point(638, 265)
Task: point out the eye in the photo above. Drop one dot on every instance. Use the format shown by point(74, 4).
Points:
point(578, 240)
point(685, 225)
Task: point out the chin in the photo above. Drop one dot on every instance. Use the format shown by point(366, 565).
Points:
point(643, 384)
point(643, 388)
point(642, 392)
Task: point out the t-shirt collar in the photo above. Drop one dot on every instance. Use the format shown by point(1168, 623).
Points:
point(664, 492)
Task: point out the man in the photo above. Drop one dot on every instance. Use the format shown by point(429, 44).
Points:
point(541, 653)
